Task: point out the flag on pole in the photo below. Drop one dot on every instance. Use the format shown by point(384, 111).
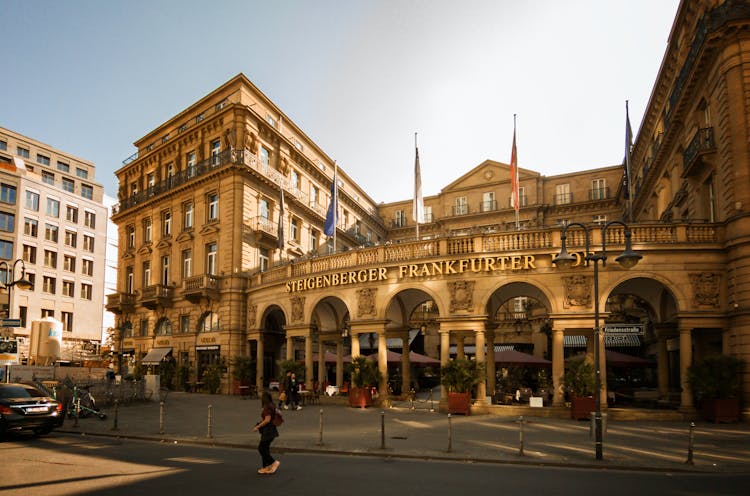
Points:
point(514, 187)
point(418, 207)
point(330, 226)
point(280, 233)
point(626, 182)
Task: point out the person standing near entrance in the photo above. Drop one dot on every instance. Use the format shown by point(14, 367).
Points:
point(268, 432)
point(294, 389)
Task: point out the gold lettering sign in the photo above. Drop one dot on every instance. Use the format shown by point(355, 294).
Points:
point(162, 342)
point(208, 340)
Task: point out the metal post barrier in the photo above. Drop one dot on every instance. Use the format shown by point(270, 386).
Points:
point(521, 421)
point(208, 434)
point(412, 393)
point(691, 439)
point(161, 417)
point(114, 420)
point(450, 434)
point(320, 431)
point(382, 429)
point(432, 406)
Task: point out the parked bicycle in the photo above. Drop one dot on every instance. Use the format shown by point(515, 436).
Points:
point(82, 404)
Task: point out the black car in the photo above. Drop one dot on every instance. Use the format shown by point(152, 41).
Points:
point(27, 408)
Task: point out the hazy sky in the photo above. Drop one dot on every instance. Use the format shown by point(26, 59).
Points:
point(360, 77)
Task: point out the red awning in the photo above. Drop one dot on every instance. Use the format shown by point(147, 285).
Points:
point(513, 357)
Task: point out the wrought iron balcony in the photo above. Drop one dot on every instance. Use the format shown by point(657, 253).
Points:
point(119, 303)
point(701, 145)
point(197, 287)
point(488, 206)
point(157, 295)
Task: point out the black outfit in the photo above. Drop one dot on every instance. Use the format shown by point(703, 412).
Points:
point(268, 433)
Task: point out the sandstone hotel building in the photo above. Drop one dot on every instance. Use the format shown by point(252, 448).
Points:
point(201, 274)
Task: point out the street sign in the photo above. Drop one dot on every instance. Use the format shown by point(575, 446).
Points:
point(10, 322)
point(624, 329)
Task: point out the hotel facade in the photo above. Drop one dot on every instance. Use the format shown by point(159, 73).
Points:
point(210, 265)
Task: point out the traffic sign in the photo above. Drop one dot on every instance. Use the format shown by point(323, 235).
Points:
point(10, 322)
point(622, 329)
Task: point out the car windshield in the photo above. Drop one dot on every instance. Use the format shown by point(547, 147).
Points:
point(14, 392)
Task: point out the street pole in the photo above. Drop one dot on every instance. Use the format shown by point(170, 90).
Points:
point(599, 447)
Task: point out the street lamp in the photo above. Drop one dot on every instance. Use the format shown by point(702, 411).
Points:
point(627, 259)
point(21, 283)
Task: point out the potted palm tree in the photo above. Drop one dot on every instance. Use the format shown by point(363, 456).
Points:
point(459, 376)
point(715, 382)
point(579, 382)
point(243, 373)
point(364, 374)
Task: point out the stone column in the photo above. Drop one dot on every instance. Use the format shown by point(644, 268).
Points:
point(355, 345)
point(322, 377)
point(289, 348)
point(445, 353)
point(480, 358)
point(259, 379)
point(460, 346)
point(405, 365)
point(662, 365)
point(308, 362)
point(558, 367)
point(383, 364)
point(490, 360)
point(340, 362)
point(686, 359)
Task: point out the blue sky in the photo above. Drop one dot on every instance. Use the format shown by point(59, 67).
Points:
point(360, 77)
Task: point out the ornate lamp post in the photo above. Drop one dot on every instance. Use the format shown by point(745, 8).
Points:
point(627, 259)
point(10, 280)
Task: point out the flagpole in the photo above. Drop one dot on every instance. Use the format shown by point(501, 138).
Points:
point(416, 207)
point(514, 181)
point(335, 202)
point(628, 144)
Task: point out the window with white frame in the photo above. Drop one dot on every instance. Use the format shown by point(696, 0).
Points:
point(187, 263)
point(146, 271)
point(598, 189)
point(87, 191)
point(562, 194)
point(461, 207)
point(600, 219)
point(88, 243)
point(215, 151)
point(30, 227)
point(50, 232)
point(87, 291)
point(265, 156)
point(187, 215)
point(129, 279)
point(147, 230)
point(166, 223)
point(71, 214)
point(263, 211)
point(53, 207)
point(68, 185)
point(211, 253)
point(89, 219)
point(29, 254)
point(50, 259)
point(67, 321)
point(488, 201)
point(213, 206)
point(69, 263)
point(87, 267)
point(32, 200)
point(71, 238)
point(263, 259)
point(400, 218)
point(165, 270)
point(68, 288)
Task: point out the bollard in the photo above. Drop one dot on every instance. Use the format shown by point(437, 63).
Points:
point(432, 407)
point(412, 393)
point(320, 433)
point(114, 420)
point(450, 434)
point(521, 421)
point(689, 460)
point(382, 429)
point(208, 434)
point(161, 417)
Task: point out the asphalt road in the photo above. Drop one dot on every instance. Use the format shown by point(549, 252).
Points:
point(61, 464)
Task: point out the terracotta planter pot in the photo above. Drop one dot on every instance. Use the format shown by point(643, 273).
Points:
point(581, 407)
point(720, 410)
point(459, 403)
point(360, 397)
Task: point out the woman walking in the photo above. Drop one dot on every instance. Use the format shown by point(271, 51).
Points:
point(268, 432)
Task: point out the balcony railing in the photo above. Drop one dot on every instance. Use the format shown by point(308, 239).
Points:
point(156, 295)
point(563, 198)
point(701, 144)
point(598, 194)
point(120, 303)
point(197, 287)
point(488, 206)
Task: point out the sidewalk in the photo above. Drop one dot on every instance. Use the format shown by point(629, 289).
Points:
point(423, 434)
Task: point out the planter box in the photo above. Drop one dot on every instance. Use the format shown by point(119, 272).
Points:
point(720, 410)
point(581, 407)
point(459, 403)
point(360, 397)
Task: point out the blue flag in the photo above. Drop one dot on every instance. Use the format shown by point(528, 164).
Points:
point(280, 233)
point(626, 179)
point(330, 226)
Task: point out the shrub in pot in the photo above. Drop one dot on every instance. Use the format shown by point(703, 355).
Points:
point(459, 376)
point(715, 382)
point(364, 375)
point(580, 383)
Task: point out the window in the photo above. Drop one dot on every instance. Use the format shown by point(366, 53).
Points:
point(53, 207)
point(22, 152)
point(67, 321)
point(87, 191)
point(190, 163)
point(265, 156)
point(3, 145)
point(598, 189)
point(144, 328)
point(187, 215)
point(42, 159)
point(69, 263)
point(88, 243)
point(6, 249)
point(86, 291)
point(31, 277)
point(48, 312)
point(129, 280)
point(600, 219)
point(82, 173)
point(165, 270)
point(562, 194)
point(133, 189)
point(314, 193)
point(314, 239)
point(294, 227)
point(8, 194)
point(147, 230)
point(23, 312)
point(32, 201)
point(68, 288)
point(294, 179)
point(87, 267)
point(130, 236)
point(50, 232)
point(187, 263)
point(89, 219)
point(166, 223)
point(521, 197)
point(461, 207)
point(213, 206)
point(7, 222)
point(215, 150)
point(48, 177)
point(428, 213)
point(50, 259)
point(29, 254)
point(30, 227)
point(71, 238)
point(71, 214)
point(210, 322)
point(400, 219)
point(271, 121)
point(68, 185)
point(263, 259)
point(150, 180)
point(48, 284)
point(488, 201)
point(62, 166)
point(211, 258)
point(146, 271)
point(263, 210)
point(163, 328)
point(184, 324)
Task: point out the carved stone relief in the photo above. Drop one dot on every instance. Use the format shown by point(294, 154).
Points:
point(705, 289)
point(462, 295)
point(298, 308)
point(366, 302)
point(252, 311)
point(577, 291)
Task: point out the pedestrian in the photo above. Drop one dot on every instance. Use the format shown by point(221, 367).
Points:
point(268, 432)
point(294, 388)
point(287, 389)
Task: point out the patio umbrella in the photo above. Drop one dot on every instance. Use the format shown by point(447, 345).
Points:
point(391, 357)
point(513, 357)
point(617, 359)
point(418, 359)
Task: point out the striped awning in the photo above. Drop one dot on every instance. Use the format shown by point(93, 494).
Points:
point(610, 341)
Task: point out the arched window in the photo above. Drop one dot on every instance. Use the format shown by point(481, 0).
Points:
point(163, 327)
point(209, 322)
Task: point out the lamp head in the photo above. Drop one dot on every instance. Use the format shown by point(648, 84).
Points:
point(628, 258)
point(564, 260)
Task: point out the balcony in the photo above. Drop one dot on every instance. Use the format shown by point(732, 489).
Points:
point(597, 194)
point(197, 287)
point(266, 232)
point(119, 303)
point(156, 295)
point(488, 206)
point(700, 146)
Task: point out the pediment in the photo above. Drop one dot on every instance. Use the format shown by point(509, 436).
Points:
point(488, 173)
point(146, 249)
point(164, 243)
point(184, 236)
point(210, 229)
